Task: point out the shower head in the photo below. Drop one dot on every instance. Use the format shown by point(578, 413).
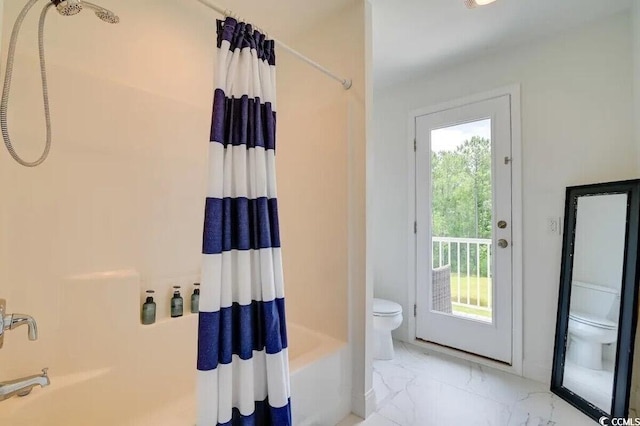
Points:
point(104, 14)
point(107, 16)
point(68, 7)
point(73, 7)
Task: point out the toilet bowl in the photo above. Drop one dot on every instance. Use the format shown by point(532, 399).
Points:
point(387, 316)
point(588, 334)
point(593, 316)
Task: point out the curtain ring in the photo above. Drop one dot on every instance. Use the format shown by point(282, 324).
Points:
point(229, 14)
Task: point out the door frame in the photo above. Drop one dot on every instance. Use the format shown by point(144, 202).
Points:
point(516, 244)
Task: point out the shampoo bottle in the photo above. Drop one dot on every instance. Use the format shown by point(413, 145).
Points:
point(148, 313)
point(176, 302)
point(195, 299)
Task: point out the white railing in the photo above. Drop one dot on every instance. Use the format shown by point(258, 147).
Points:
point(470, 262)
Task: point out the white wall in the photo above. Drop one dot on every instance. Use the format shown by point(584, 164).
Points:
point(123, 187)
point(576, 128)
point(598, 255)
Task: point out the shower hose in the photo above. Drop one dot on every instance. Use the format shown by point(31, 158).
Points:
point(4, 103)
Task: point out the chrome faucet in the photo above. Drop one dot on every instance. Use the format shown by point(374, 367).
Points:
point(23, 386)
point(13, 321)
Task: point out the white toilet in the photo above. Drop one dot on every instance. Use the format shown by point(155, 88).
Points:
point(590, 323)
point(387, 316)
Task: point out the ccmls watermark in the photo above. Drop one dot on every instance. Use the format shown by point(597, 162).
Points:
point(619, 421)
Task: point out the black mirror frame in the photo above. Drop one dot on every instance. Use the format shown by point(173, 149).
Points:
point(628, 303)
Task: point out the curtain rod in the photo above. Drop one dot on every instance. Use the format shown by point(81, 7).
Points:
point(345, 82)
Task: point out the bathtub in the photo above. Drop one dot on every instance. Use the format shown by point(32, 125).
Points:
point(320, 377)
point(156, 389)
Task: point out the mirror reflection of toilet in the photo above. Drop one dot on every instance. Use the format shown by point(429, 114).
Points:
point(387, 316)
point(590, 323)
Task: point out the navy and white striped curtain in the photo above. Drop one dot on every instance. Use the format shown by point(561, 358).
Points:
point(243, 369)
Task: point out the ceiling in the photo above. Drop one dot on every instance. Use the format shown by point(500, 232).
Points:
point(411, 37)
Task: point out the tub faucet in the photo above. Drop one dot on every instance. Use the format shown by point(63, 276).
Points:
point(13, 321)
point(23, 386)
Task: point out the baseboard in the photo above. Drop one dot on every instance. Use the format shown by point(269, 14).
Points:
point(537, 370)
point(363, 404)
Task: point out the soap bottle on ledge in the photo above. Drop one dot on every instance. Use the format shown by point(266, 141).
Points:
point(177, 303)
point(195, 299)
point(148, 313)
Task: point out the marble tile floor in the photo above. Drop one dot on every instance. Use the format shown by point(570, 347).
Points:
point(424, 388)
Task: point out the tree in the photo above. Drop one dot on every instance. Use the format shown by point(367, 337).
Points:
point(461, 191)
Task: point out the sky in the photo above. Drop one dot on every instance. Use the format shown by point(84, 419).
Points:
point(448, 138)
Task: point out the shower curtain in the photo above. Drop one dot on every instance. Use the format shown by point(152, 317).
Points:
point(243, 369)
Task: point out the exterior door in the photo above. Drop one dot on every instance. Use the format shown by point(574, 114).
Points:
point(463, 228)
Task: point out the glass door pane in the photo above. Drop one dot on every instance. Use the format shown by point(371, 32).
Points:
point(461, 212)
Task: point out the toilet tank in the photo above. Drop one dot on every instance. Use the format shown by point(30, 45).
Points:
point(594, 299)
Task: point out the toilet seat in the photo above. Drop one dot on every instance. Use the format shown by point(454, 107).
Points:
point(385, 308)
point(588, 319)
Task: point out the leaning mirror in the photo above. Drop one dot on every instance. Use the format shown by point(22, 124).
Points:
point(597, 303)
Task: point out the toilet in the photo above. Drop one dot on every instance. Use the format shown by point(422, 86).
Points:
point(590, 323)
point(387, 316)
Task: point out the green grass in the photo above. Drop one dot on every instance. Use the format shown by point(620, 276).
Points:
point(485, 286)
point(470, 310)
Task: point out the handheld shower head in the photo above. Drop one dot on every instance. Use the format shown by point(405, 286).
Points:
point(73, 7)
point(68, 7)
point(104, 14)
point(108, 16)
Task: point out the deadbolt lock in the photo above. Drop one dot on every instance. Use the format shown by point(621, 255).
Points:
point(502, 224)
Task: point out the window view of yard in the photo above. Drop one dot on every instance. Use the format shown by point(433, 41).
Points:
point(462, 217)
point(472, 292)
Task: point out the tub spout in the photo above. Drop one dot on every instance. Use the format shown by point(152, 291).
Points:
point(14, 321)
point(23, 386)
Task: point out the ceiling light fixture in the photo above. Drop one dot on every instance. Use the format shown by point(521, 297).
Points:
point(475, 3)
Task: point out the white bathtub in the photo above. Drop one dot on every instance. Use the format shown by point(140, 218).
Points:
point(155, 389)
point(320, 378)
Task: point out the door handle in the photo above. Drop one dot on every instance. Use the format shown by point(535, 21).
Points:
point(503, 243)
